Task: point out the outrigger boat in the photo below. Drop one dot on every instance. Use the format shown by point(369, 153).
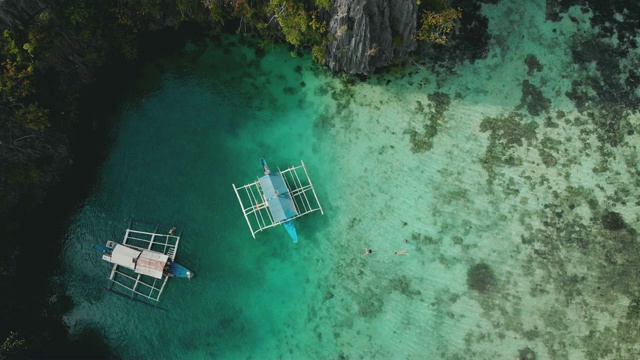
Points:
point(143, 263)
point(278, 198)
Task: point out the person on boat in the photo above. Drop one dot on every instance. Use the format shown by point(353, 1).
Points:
point(367, 251)
point(266, 170)
point(172, 230)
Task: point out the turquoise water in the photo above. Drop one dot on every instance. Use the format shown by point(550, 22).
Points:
point(520, 215)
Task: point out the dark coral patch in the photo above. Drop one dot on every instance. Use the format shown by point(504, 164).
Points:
point(370, 304)
point(533, 64)
point(613, 221)
point(288, 90)
point(526, 354)
point(402, 285)
point(480, 278)
point(533, 99)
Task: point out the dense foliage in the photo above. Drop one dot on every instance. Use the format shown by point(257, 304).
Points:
point(435, 26)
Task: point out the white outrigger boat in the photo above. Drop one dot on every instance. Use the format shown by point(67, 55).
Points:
point(143, 263)
point(278, 198)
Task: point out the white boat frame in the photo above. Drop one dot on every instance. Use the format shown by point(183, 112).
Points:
point(147, 287)
point(254, 206)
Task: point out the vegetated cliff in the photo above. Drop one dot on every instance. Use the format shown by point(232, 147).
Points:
point(29, 164)
point(369, 34)
point(363, 34)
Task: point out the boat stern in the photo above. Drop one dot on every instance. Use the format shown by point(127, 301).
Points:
point(180, 271)
point(291, 229)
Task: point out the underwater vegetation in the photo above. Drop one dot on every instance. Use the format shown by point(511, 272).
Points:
point(370, 303)
point(422, 141)
point(402, 284)
point(506, 133)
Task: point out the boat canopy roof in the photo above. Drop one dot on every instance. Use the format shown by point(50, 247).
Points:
point(143, 262)
point(277, 196)
point(124, 256)
point(151, 263)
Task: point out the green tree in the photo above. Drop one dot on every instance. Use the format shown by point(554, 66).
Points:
point(293, 20)
point(16, 80)
point(135, 14)
point(32, 117)
point(216, 10)
point(437, 22)
point(13, 346)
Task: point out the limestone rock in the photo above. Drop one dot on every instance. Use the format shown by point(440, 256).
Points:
point(369, 34)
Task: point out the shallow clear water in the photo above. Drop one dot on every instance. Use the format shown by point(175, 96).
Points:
point(509, 199)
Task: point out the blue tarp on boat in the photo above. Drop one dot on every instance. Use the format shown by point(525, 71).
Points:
point(278, 198)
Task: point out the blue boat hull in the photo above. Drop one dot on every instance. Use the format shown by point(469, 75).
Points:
point(265, 167)
point(180, 271)
point(103, 249)
point(288, 225)
point(291, 229)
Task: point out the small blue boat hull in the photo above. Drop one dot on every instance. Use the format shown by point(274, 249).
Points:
point(180, 271)
point(291, 229)
point(103, 249)
point(265, 167)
